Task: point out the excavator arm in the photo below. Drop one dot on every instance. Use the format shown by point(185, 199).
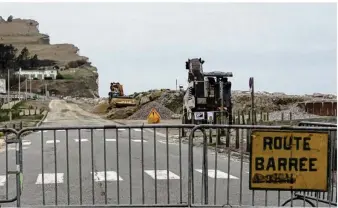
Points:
point(121, 90)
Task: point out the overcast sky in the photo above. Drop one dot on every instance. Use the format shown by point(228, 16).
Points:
point(290, 47)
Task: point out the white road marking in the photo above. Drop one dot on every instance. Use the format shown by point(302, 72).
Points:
point(220, 174)
point(137, 130)
point(110, 140)
point(45, 131)
point(81, 140)
point(2, 180)
point(14, 148)
point(164, 142)
point(138, 140)
point(26, 142)
point(121, 129)
point(49, 178)
point(52, 141)
point(111, 176)
point(61, 130)
point(157, 133)
point(161, 174)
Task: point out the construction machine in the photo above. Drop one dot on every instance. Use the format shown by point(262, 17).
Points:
point(207, 92)
point(117, 98)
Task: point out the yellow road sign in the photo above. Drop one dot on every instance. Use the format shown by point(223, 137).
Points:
point(153, 117)
point(285, 160)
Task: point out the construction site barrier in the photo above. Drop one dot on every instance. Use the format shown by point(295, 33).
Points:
point(142, 166)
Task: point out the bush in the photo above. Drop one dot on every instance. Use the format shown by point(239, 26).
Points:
point(48, 78)
point(67, 76)
point(59, 76)
point(72, 64)
point(77, 63)
point(35, 78)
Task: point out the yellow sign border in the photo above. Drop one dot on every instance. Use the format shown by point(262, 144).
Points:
point(290, 131)
point(155, 112)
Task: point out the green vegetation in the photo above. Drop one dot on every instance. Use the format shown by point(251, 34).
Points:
point(16, 110)
point(68, 76)
point(18, 105)
point(4, 114)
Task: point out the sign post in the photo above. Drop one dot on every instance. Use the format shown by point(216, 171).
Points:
point(289, 160)
point(210, 117)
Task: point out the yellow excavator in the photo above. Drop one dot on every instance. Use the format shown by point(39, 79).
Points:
point(117, 98)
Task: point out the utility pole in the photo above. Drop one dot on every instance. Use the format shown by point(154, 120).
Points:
point(8, 94)
point(221, 83)
point(251, 85)
point(19, 83)
point(177, 83)
point(30, 85)
point(45, 90)
point(26, 88)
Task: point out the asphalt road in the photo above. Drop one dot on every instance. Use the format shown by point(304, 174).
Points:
point(86, 167)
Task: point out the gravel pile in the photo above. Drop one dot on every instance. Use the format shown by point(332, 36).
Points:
point(143, 112)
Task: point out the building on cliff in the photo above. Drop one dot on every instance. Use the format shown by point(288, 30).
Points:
point(39, 73)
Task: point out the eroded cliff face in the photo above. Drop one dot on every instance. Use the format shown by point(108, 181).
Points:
point(80, 77)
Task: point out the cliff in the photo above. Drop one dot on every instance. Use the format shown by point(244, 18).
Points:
point(80, 76)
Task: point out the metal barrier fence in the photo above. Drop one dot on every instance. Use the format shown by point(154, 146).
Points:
point(11, 177)
point(139, 165)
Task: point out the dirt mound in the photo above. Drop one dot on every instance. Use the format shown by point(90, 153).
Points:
point(100, 108)
point(121, 113)
point(143, 112)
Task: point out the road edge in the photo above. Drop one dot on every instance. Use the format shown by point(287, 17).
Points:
point(2, 139)
point(42, 119)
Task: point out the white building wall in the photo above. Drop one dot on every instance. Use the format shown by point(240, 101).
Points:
point(40, 74)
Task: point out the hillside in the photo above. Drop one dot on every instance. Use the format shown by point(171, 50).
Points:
point(80, 76)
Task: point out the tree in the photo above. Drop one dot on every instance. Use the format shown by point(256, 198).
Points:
point(23, 60)
point(24, 53)
point(34, 61)
point(7, 56)
point(59, 76)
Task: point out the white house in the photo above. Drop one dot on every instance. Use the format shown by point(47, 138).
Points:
point(39, 74)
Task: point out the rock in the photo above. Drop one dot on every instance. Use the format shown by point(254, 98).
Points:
point(317, 95)
point(121, 113)
point(221, 150)
point(144, 100)
point(176, 116)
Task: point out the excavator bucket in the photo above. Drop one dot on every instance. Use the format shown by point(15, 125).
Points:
point(123, 102)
